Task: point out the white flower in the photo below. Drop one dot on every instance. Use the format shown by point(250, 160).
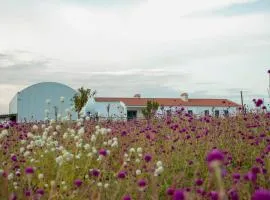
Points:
point(137, 160)
point(97, 127)
point(86, 146)
point(22, 149)
point(65, 187)
point(109, 130)
point(140, 155)
point(40, 176)
point(29, 135)
point(94, 150)
point(103, 131)
point(1, 172)
point(78, 156)
point(93, 138)
point(58, 127)
point(59, 160)
point(23, 141)
point(158, 171)
point(65, 135)
point(26, 154)
point(63, 182)
point(110, 142)
point(105, 143)
point(138, 172)
point(79, 123)
point(131, 150)
point(81, 131)
point(10, 176)
point(53, 183)
point(99, 184)
point(35, 127)
point(106, 185)
point(4, 132)
point(159, 163)
point(46, 185)
point(139, 150)
point(89, 155)
point(114, 144)
point(43, 126)
point(87, 118)
point(86, 176)
point(126, 155)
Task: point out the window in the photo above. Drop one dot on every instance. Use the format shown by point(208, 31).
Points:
point(190, 112)
point(217, 113)
point(131, 114)
point(206, 112)
point(226, 113)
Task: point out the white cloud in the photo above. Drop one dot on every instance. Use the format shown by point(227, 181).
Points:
point(153, 41)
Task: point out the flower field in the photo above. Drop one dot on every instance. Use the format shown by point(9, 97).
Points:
point(181, 157)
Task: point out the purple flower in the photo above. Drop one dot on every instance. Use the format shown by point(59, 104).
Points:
point(259, 102)
point(178, 195)
point(199, 182)
point(40, 192)
point(261, 195)
point(13, 196)
point(236, 176)
point(147, 157)
point(255, 170)
point(170, 191)
point(268, 71)
point(103, 152)
point(27, 193)
point(121, 175)
point(14, 158)
point(142, 183)
point(29, 170)
point(213, 195)
point(127, 197)
point(233, 195)
point(78, 182)
point(95, 172)
point(215, 155)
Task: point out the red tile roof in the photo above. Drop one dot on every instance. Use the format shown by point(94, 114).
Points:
point(135, 101)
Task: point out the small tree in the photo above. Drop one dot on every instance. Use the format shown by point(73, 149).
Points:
point(150, 110)
point(81, 98)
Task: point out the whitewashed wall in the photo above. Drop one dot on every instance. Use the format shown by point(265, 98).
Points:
point(117, 111)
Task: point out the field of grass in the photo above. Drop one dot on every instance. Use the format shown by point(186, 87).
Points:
point(180, 157)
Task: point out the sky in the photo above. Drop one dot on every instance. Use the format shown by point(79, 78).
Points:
point(158, 48)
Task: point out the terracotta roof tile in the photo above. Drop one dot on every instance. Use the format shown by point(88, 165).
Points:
point(170, 101)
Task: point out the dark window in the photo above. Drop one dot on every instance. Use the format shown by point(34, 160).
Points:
point(190, 112)
point(226, 113)
point(206, 112)
point(217, 113)
point(131, 114)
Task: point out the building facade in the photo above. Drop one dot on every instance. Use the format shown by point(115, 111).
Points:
point(199, 107)
point(46, 100)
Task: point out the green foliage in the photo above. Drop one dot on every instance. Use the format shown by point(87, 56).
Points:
point(150, 110)
point(81, 98)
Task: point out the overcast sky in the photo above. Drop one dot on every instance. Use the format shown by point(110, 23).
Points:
point(159, 48)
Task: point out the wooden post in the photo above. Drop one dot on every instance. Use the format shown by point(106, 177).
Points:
point(242, 102)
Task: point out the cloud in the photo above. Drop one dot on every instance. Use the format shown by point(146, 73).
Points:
point(154, 47)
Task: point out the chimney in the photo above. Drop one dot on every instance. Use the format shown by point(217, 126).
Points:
point(184, 96)
point(137, 95)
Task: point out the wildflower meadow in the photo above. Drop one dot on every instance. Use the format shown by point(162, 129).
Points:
point(176, 157)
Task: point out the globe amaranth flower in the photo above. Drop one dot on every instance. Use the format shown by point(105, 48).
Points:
point(170, 191)
point(78, 182)
point(126, 197)
point(29, 170)
point(199, 182)
point(147, 157)
point(14, 158)
point(259, 102)
point(121, 175)
point(213, 195)
point(236, 176)
point(179, 195)
point(40, 191)
point(215, 155)
point(261, 195)
point(95, 172)
point(142, 183)
point(102, 152)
